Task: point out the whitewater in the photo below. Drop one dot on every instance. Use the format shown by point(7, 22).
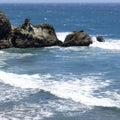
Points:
point(70, 87)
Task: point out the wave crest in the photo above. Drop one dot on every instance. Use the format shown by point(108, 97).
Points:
point(79, 89)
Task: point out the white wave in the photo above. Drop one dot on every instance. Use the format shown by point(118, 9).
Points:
point(108, 44)
point(67, 49)
point(70, 87)
point(73, 48)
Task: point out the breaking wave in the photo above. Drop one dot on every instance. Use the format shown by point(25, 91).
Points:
point(82, 90)
point(110, 44)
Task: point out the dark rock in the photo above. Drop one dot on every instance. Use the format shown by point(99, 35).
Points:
point(28, 35)
point(77, 38)
point(100, 39)
point(5, 26)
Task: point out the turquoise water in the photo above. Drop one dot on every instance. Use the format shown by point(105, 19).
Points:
point(55, 83)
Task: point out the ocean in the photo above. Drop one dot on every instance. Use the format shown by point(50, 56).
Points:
point(58, 83)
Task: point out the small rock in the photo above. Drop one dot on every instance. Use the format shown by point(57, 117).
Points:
point(100, 39)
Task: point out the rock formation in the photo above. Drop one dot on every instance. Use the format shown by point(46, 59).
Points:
point(42, 35)
point(28, 35)
point(77, 38)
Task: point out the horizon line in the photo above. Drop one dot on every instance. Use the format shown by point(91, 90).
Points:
point(57, 2)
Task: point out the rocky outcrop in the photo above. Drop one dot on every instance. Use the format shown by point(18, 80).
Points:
point(100, 39)
point(77, 38)
point(5, 26)
point(28, 35)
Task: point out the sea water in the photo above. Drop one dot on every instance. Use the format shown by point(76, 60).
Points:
point(56, 83)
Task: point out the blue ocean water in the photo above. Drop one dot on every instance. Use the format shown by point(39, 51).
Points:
point(55, 83)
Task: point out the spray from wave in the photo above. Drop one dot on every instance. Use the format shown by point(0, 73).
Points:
point(62, 35)
point(108, 44)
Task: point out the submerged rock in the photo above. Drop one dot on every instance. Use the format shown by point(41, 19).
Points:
point(78, 38)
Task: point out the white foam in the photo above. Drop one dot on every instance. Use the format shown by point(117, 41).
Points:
point(61, 35)
point(108, 44)
point(68, 87)
point(40, 112)
point(18, 80)
point(1, 52)
point(73, 48)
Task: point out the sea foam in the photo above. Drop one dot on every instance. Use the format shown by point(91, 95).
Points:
point(62, 35)
point(69, 87)
point(110, 44)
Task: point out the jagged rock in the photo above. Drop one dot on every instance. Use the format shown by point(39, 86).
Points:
point(77, 38)
point(100, 39)
point(5, 26)
point(28, 35)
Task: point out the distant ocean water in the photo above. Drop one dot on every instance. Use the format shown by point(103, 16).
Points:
point(56, 83)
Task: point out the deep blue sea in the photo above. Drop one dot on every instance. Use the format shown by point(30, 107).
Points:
point(56, 83)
